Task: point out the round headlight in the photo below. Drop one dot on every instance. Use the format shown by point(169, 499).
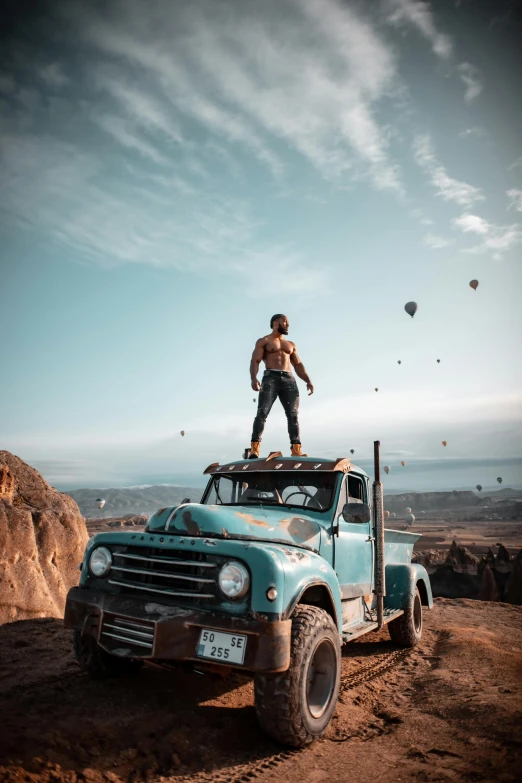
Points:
point(100, 561)
point(234, 580)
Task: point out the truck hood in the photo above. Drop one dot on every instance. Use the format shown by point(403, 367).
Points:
point(247, 523)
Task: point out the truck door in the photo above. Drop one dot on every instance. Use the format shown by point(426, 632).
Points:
point(353, 545)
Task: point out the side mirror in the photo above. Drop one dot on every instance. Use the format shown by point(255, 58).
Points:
point(356, 512)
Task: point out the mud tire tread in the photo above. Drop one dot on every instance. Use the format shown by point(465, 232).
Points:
point(402, 630)
point(98, 663)
point(277, 695)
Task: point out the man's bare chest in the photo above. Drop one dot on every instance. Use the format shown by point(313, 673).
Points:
point(272, 347)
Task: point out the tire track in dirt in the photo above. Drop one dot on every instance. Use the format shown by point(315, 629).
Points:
point(257, 767)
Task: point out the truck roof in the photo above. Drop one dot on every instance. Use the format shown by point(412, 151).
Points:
point(276, 461)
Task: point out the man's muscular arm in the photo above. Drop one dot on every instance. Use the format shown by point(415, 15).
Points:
point(257, 358)
point(301, 372)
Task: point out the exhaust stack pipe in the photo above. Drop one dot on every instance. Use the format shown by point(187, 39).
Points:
point(378, 532)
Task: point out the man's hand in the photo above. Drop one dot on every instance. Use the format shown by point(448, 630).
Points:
point(256, 385)
point(310, 388)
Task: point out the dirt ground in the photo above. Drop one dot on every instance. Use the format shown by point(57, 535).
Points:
point(450, 710)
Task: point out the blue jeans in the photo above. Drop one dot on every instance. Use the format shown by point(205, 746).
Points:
point(277, 383)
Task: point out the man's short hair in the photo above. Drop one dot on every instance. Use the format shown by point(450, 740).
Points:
point(276, 317)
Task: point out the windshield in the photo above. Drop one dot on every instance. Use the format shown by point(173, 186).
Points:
point(314, 491)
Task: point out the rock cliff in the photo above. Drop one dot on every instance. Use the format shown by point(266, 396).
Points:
point(42, 540)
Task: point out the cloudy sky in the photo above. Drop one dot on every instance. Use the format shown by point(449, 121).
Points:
point(174, 172)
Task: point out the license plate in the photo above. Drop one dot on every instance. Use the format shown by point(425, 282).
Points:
point(221, 646)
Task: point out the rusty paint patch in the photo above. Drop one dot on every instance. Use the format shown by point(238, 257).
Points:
point(302, 529)
point(296, 557)
point(160, 511)
point(250, 518)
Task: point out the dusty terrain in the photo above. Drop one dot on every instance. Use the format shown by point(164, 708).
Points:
point(450, 710)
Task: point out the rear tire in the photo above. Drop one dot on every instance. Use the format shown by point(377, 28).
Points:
point(296, 706)
point(98, 663)
point(406, 630)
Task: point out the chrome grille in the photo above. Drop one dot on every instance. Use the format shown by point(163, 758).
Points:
point(126, 636)
point(182, 575)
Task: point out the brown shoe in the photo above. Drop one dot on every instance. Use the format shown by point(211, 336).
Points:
point(254, 449)
point(296, 450)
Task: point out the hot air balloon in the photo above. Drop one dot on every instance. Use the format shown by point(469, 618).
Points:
point(474, 284)
point(411, 308)
point(444, 442)
point(438, 361)
point(376, 389)
point(182, 433)
point(100, 502)
point(423, 513)
point(403, 464)
point(254, 399)
point(479, 487)
point(454, 492)
point(408, 510)
point(386, 514)
point(499, 480)
point(387, 469)
point(394, 514)
point(352, 451)
point(399, 361)
point(410, 519)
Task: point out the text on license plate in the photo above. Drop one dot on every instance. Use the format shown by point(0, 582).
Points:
point(221, 646)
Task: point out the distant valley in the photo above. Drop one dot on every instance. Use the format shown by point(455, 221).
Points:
point(120, 501)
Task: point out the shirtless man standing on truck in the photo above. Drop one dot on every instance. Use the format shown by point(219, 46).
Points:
point(279, 356)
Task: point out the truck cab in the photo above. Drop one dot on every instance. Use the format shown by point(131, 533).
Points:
point(274, 569)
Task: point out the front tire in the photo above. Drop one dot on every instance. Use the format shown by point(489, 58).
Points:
point(406, 630)
point(98, 663)
point(296, 706)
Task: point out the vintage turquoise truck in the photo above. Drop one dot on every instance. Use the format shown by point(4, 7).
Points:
point(282, 561)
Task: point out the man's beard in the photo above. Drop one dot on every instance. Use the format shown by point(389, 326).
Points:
point(281, 329)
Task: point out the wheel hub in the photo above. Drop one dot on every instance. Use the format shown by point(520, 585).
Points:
point(321, 678)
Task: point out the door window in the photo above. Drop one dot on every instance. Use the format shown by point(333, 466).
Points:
point(352, 491)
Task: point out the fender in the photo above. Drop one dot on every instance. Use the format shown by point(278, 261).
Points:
point(304, 570)
point(401, 581)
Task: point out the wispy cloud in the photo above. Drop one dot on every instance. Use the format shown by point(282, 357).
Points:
point(419, 15)
point(472, 223)
point(470, 76)
point(437, 242)
point(142, 108)
point(141, 219)
point(475, 132)
point(421, 217)
point(516, 164)
point(447, 187)
point(515, 199)
point(266, 76)
point(122, 132)
point(53, 75)
point(494, 239)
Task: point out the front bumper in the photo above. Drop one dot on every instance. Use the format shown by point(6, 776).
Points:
point(170, 632)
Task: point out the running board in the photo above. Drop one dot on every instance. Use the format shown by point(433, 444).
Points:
point(350, 633)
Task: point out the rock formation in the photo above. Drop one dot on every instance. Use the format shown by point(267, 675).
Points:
point(513, 593)
point(488, 586)
point(461, 559)
point(42, 540)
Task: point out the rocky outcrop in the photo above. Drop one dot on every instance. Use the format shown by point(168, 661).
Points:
point(42, 540)
point(488, 587)
point(429, 557)
point(461, 560)
point(513, 594)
